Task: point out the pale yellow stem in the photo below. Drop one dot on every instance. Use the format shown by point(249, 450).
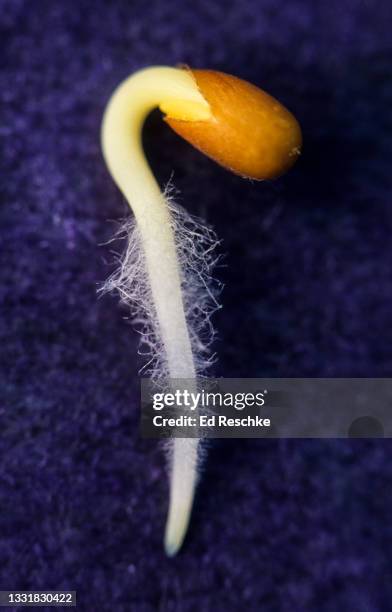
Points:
point(175, 91)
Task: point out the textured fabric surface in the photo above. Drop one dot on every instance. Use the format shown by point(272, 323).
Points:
point(278, 526)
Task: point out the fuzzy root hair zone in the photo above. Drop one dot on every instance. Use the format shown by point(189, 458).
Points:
point(196, 244)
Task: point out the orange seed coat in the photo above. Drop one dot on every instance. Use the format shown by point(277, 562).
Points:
point(250, 132)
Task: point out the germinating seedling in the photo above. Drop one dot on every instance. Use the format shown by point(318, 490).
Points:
point(165, 274)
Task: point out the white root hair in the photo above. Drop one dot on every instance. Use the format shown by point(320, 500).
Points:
point(196, 244)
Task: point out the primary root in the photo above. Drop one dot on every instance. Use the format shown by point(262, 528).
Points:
point(195, 245)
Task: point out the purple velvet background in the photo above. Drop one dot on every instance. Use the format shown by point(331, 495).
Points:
point(278, 525)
